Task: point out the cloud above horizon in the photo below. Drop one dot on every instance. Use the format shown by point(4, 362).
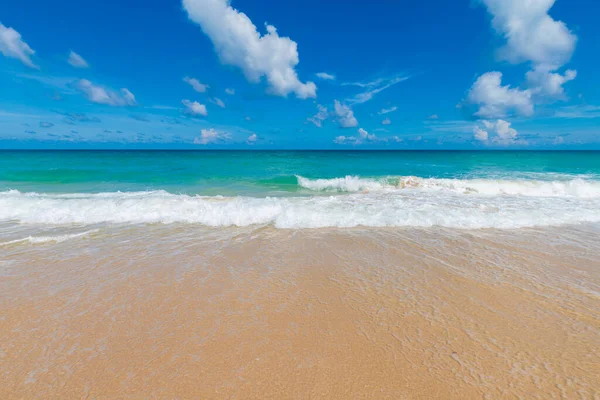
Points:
point(325, 76)
point(345, 115)
point(194, 108)
point(210, 136)
point(13, 46)
point(238, 43)
point(75, 60)
point(498, 132)
point(102, 95)
point(195, 84)
point(532, 36)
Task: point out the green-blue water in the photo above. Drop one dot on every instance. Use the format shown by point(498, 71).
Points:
point(258, 173)
point(297, 190)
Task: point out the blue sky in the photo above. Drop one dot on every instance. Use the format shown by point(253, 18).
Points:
point(484, 74)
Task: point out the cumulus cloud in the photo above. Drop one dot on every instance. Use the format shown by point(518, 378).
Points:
point(194, 108)
point(102, 95)
point(386, 122)
point(547, 85)
point(76, 60)
point(532, 36)
point(497, 101)
point(480, 134)
point(238, 43)
point(252, 138)
point(195, 83)
point(345, 115)
point(325, 76)
point(12, 46)
point(499, 132)
point(208, 136)
point(230, 92)
point(319, 117)
point(531, 33)
point(363, 136)
point(433, 116)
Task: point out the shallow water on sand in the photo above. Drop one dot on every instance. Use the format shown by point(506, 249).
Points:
point(187, 311)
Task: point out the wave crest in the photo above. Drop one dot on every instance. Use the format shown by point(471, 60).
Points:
point(533, 188)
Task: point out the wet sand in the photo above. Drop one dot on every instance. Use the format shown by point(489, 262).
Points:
point(176, 312)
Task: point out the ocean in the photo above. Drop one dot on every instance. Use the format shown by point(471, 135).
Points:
point(298, 190)
point(299, 274)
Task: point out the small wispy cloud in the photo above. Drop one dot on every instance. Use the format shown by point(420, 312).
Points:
point(195, 84)
point(387, 110)
point(230, 91)
point(319, 117)
point(325, 76)
point(578, 112)
point(13, 46)
point(374, 88)
point(345, 115)
point(218, 102)
point(101, 95)
point(77, 61)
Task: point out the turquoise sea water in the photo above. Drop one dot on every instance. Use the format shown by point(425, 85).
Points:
point(261, 173)
point(288, 189)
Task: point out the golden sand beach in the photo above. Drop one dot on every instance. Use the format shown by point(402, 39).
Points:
point(259, 313)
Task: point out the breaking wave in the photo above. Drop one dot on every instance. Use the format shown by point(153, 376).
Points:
point(343, 202)
point(534, 188)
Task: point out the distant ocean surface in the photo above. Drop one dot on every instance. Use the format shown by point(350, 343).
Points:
point(297, 190)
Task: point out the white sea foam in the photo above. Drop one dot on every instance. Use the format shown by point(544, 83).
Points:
point(49, 239)
point(578, 188)
point(392, 202)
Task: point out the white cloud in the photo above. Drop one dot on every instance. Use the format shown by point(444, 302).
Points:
point(397, 139)
point(499, 132)
point(218, 102)
point(238, 42)
point(496, 101)
point(76, 60)
point(531, 33)
point(387, 110)
point(12, 46)
point(480, 134)
point(230, 92)
point(375, 87)
point(533, 36)
point(363, 136)
point(252, 138)
point(579, 112)
point(434, 116)
point(386, 122)
point(319, 117)
point(102, 95)
point(194, 108)
point(345, 115)
point(325, 76)
point(195, 83)
point(546, 84)
point(208, 136)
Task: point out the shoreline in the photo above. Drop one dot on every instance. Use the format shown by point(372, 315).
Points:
point(169, 311)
